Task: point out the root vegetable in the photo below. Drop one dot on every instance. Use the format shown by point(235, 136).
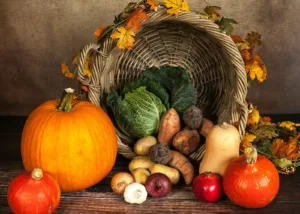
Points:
point(206, 126)
point(142, 146)
point(119, 181)
point(183, 165)
point(140, 175)
point(160, 153)
point(169, 126)
point(135, 193)
point(186, 141)
point(192, 117)
point(143, 162)
point(171, 173)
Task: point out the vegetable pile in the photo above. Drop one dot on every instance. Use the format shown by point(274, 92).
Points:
point(158, 111)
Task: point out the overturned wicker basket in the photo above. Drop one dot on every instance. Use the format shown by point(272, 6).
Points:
point(189, 40)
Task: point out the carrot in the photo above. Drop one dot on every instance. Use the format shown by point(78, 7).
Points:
point(186, 141)
point(183, 165)
point(169, 126)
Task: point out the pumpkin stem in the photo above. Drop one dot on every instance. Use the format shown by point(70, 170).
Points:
point(66, 100)
point(251, 154)
point(37, 174)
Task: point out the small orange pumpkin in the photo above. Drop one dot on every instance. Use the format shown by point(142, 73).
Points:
point(75, 141)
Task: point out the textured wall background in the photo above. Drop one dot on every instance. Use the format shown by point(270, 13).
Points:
point(37, 35)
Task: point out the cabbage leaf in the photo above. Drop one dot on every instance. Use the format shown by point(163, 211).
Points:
point(138, 113)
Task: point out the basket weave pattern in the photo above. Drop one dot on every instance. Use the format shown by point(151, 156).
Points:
point(189, 40)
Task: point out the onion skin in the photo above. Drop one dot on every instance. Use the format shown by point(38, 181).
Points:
point(251, 185)
point(119, 181)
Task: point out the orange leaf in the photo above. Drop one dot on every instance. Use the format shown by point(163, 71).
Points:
point(65, 70)
point(174, 6)
point(99, 31)
point(246, 55)
point(288, 150)
point(134, 20)
point(125, 38)
point(153, 4)
point(237, 38)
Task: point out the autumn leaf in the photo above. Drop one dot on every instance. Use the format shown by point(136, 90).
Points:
point(125, 13)
point(88, 62)
point(247, 140)
point(174, 6)
point(264, 131)
point(84, 88)
point(256, 68)
point(153, 4)
point(253, 116)
point(65, 70)
point(212, 13)
point(264, 147)
point(246, 55)
point(226, 25)
point(133, 21)
point(99, 31)
point(125, 38)
point(289, 150)
point(265, 120)
point(253, 39)
point(289, 125)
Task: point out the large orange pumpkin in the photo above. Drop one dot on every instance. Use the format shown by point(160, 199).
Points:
point(75, 141)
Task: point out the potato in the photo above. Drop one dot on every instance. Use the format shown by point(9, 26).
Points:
point(142, 146)
point(140, 175)
point(171, 173)
point(143, 162)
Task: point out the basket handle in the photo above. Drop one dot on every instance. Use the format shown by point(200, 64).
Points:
point(82, 56)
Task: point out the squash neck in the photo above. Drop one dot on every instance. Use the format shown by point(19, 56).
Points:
point(66, 100)
point(225, 125)
point(37, 174)
point(251, 154)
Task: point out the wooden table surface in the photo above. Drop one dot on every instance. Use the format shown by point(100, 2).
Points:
point(100, 198)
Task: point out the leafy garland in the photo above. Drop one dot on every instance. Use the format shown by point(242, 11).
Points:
point(278, 142)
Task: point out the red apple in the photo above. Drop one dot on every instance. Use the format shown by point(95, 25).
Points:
point(158, 185)
point(208, 187)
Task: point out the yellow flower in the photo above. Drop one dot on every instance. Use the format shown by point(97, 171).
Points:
point(256, 68)
point(289, 125)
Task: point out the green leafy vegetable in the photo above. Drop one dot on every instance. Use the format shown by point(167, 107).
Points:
point(152, 86)
point(138, 114)
point(168, 80)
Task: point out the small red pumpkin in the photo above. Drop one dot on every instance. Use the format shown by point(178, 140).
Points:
point(251, 180)
point(35, 192)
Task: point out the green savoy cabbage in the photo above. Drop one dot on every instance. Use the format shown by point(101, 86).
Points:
point(138, 113)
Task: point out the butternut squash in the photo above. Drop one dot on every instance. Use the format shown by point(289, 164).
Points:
point(222, 145)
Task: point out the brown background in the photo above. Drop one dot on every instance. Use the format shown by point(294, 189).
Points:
point(37, 35)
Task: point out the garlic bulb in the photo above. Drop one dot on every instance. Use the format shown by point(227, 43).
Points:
point(135, 193)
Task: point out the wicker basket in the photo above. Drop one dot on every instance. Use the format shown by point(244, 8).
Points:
point(189, 40)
